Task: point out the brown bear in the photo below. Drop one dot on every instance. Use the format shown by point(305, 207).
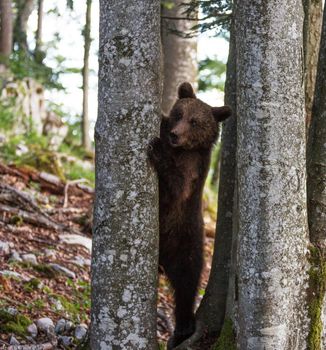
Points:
point(181, 157)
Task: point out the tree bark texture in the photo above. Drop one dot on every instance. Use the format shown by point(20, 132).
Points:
point(211, 312)
point(312, 29)
point(316, 154)
point(125, 237)
point(316, 186)
point(272, 246)
point(86, 141)
point(24, 10)
point(6, 28)
point(179, 54)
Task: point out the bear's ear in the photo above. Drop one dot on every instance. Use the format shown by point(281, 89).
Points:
point(221, 113)
point(185, 90)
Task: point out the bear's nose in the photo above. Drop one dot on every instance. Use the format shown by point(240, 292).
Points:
point(173, 138)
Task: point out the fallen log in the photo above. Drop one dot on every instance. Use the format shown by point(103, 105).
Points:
point(37, 219)
point(48, 182)
point(4, 169)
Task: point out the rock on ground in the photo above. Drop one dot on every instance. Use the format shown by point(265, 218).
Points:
point(44, 324)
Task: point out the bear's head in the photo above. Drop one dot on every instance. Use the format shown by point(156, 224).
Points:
point(193, 124)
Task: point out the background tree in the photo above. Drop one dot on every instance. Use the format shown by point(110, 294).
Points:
point(24, 10)
point(313, 10)
point(316, 185)
point(86, 141)
point(179, 54)
point(6, 27)
point(38, 53)
point(125, 238)
point(272, 243)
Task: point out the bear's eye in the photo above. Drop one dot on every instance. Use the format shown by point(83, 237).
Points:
point(178, 116)
point(193, 122)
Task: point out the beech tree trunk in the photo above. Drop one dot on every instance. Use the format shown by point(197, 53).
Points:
point(6, 28)
point(312, 29)
point(272, 246)
point(316, 154)
point(125, 233)
point(179, 54)
point(316, 186)
point(86, 141)
point(24, 10)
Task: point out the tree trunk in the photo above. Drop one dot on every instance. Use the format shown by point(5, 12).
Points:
point(211, 312)
point(272, 245)
point(316, 154)
point(24, 10)
point(38, 36)
point(316, 185)
point(125, 233)
point(312, 28)
point(179, 54)
point(6, 28)
point(86, 141)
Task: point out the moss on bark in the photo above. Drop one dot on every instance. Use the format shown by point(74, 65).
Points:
point(317, 286)
point(226, 340)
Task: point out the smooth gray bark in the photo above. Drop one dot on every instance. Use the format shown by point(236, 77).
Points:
point(179, 55)
point(24, 10)
point(272, 246)
point(86, 141)
point(316, 154)
point(125, 237)
point(316, 181)
point(311, 39)
point(6, 28)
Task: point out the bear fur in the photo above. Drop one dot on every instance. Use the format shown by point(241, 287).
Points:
point(181, 157)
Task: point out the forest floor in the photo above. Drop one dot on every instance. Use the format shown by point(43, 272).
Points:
point(45, 241)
